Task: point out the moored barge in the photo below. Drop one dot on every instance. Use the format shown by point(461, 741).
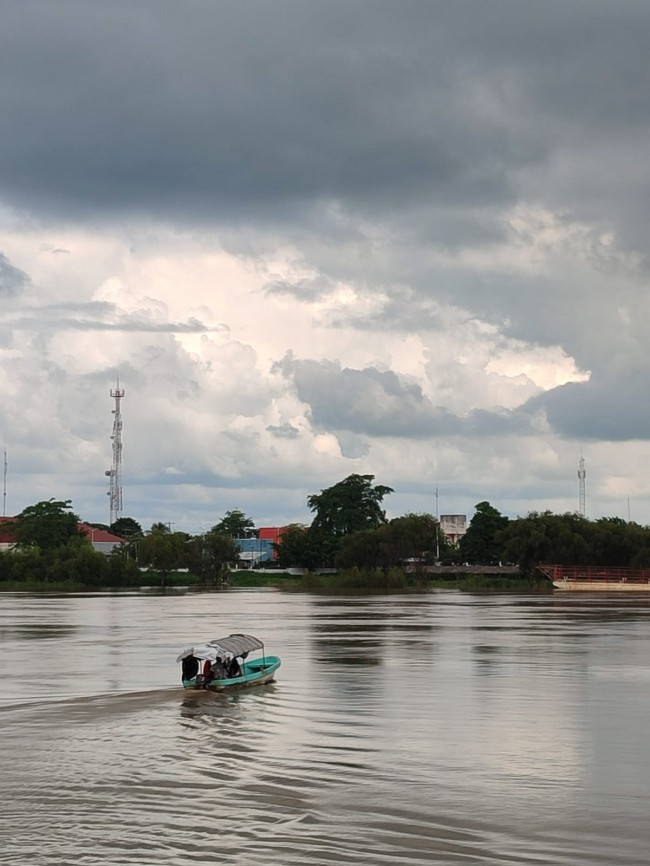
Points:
point(594, 578)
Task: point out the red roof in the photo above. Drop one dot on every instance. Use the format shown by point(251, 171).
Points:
point(93, 534)
point(96, 535)
point(6, 535)
point(271, 533)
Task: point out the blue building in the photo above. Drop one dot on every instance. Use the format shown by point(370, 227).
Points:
point(254, 551)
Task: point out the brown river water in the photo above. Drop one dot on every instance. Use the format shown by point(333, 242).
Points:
point(403, 730)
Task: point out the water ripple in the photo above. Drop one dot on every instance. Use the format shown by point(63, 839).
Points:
point(445, 729)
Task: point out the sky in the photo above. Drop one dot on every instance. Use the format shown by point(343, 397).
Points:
point(311, 239)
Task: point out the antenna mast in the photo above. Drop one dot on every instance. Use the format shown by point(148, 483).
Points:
point(582, 475)
point(437, 530)
point(115, 472)
point(4, 486)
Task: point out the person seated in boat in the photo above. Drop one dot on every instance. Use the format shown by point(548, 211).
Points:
point(234, 669)
point(218, 669)
point(190, 668)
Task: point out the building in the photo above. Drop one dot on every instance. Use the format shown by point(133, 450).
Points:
point(254, 551)
point(102, 540)
point(260, 549)
point(453, 526)
point(7, 539)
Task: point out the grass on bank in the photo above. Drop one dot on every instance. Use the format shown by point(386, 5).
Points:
point(377, 580)
point(355, 580)
point(155, 580)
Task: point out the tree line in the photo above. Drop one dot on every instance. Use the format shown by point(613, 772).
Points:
point(349, 530)
point(50, 546)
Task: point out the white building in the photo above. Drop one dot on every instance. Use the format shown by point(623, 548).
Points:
point(453, 526)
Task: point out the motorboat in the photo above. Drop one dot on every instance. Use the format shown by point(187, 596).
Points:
point(223, 664)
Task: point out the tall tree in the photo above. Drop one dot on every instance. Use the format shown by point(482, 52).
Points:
point(352, 505)
point(218, 550)
point(481, 544)
point(164, 551)
point(236, 524)
point(411, 537)
point(568, 538)
point(46, 525)
point(299, 547)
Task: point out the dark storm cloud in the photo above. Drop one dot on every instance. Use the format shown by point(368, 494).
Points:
point(214, 107)
point(12, 279)
point(376, 403)
point(613, 408)
point(371, 139)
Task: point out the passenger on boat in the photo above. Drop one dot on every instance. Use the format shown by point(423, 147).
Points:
point(190, 668)
point(218, 670)
point(234, 669)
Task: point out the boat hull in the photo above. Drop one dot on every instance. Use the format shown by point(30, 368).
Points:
point(254, 673)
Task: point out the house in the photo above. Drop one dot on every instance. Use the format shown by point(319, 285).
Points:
point(7, 538)
point(102, 540)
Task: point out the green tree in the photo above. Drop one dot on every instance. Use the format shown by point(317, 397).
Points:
point(411, 537)
point(548, 538)
point(481, 544)
point(24, 564)
point(46, 525)
point(300, 547)
point(79, 563)
point(162, 550)
point(235, 524)
point(352, 505)
point(219, 549)
point(122, 571)
point(127, 528)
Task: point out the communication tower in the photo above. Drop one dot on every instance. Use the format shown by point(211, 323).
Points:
point(4, 483)
point(582, 475)
point(115, 472)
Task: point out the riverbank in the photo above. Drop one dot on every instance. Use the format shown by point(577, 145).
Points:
point(354, 581)
point(154, 580)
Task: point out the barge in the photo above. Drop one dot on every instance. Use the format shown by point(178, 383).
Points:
point(597, 578)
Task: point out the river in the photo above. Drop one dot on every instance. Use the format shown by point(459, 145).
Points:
point(421, 729)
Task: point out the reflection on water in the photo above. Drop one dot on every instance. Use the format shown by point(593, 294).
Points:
point(447, 729)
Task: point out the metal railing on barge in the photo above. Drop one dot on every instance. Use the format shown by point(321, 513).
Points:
point(595, 574)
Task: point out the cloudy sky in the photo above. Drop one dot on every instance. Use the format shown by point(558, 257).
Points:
point(405, 238)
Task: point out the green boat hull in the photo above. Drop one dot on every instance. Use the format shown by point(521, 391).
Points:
point(254, 673)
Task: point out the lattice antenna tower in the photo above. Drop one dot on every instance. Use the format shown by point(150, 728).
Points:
point(582, 476)
point(115, 472)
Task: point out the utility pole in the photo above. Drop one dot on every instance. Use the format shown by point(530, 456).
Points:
point(437, 529)
point(582, 475)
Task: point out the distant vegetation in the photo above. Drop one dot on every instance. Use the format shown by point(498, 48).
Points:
point(349, 535)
